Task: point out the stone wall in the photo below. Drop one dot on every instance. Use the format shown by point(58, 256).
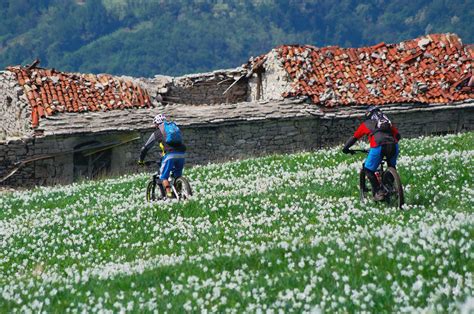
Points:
point(227, 140)
point(15, 112)
point(272, 82)
point(219, 87)
point(58, 168)
point(208, 88)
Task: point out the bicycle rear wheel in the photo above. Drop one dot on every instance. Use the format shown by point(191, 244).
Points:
point(365, 189)
point(393, 185)
point(183, 188)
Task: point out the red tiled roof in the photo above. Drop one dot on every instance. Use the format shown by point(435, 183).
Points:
point(49, 92)
point(432, 69)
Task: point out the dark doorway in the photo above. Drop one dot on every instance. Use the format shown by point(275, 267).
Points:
point(90, 161)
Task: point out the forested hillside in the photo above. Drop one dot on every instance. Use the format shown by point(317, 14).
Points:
point(147, 37)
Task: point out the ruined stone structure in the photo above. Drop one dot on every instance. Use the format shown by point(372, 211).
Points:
point(63, 127)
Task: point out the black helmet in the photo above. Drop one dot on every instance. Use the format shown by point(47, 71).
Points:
point(371, 110)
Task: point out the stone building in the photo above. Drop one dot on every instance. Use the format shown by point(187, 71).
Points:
point(60, 127)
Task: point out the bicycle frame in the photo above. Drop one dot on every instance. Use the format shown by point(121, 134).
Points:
point(177, 184)
point(171, 181)
point(380, 172)
point(383, 173)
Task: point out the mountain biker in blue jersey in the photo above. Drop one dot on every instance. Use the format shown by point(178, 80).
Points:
point(173, 154)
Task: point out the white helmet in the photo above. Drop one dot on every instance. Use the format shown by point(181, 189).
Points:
point(159, 119)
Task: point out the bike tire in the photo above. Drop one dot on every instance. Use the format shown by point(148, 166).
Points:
point(151, 191)
point(364, 191)
point(152, 194)
point(183, 188)
point(391, 181)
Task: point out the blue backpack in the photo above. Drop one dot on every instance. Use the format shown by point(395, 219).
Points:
point(173, 133)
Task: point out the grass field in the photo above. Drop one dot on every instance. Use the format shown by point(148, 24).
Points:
point(276, 233)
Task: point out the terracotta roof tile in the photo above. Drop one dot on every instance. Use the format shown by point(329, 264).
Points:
point(430, 69)
point(380, 45)
point(50, 92)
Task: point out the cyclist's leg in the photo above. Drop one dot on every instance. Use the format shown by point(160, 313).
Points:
point(178, 167)
point(166, 167)
point(373, 158)
point(392, 160)
point(370, 166)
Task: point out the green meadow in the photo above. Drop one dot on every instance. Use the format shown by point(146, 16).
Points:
point(283, 233)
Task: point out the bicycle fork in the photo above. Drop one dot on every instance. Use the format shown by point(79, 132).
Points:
point(158, 183)
point(175, 192)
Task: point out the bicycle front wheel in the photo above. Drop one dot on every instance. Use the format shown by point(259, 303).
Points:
point(183, 188)
point(150, 191)
point(393, 185)
point(154, 191)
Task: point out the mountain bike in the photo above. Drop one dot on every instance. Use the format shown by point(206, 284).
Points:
point(156, 191)
point(388, 178)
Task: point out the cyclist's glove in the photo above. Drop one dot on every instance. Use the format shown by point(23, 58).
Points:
point(348, 144)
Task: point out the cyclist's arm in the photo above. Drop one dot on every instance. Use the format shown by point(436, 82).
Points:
point(149, 144)
point(160, 139)
point(361, 131)
point(348, 144)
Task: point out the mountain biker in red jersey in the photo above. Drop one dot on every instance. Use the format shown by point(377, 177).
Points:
point(383, 138)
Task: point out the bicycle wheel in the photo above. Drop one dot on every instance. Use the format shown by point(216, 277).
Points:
point(365, 189)
point(152, 193)
point(392, 183)
point(183, 188)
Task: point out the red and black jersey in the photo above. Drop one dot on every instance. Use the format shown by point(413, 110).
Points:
point(376, 137)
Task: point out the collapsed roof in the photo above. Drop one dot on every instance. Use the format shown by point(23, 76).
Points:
point(49, 92)
point(435, 68)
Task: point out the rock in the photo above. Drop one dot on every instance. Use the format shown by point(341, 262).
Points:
point(18, 90)
point(422, 87)
point(422, 43)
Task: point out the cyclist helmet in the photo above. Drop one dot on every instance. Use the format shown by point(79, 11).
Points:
point(371, 110)
point(159, 119)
